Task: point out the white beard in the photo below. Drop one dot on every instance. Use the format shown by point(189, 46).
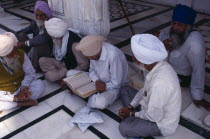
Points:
point(40, 23)
point(12, 63)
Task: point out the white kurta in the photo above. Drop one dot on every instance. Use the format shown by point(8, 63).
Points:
point(91, 17)
point(36, 87)
point(112, 69)
point(189, 60)
point(160, 99)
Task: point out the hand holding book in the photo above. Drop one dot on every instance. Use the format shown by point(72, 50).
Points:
point(100, 86)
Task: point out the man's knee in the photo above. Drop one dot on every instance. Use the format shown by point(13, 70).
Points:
point(124, 90)
point(7, 105)
point(97, 101)
point(51, 76)
point(42, 61)
point(124, 129)
point(37, 87)
point(22, 36)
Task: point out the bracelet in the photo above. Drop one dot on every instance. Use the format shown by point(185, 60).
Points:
point(131, 114)
point(130, 107)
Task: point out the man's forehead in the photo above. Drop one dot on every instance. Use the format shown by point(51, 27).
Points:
point(176, 22)
point(39, 12)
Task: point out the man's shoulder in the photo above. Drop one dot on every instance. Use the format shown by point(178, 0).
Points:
point(165, 74)
point(112, 50)
point(196, 42)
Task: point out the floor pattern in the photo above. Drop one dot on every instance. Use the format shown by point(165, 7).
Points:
point(56, 106)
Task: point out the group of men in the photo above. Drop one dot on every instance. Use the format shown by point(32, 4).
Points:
point(59, 52)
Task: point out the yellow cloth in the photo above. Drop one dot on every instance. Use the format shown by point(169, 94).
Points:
point(8, 82)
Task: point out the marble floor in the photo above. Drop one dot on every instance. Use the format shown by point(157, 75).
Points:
point(50, 118)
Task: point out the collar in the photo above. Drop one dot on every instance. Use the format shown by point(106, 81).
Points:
point(103, 52)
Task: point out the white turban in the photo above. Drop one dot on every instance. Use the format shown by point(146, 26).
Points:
point(56, 27)
point(7, 43)
point(90, 45)
point(148, 49)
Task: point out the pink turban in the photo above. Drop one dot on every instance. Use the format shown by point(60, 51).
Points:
point(44, 7)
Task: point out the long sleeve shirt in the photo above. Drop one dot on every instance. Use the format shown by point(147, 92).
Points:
point(189, 60)
point(160, 99)
point(111, 68)
point(28, 78)
point(40, 36)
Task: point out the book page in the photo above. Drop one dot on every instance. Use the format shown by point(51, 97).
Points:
point(87, 88)
point(78, 80)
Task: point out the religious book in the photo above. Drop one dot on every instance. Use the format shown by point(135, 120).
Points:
point(81, 84)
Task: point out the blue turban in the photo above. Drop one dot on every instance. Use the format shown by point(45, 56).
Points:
point(184, 14)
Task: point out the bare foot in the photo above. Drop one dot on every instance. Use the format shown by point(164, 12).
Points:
point(202, 103)
point(27, 103)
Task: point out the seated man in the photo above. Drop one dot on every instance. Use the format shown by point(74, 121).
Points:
point(65, 55)
point(17, 77)
point(108, 69)
point(160, 99)
point(39, 45)
point(188, 53)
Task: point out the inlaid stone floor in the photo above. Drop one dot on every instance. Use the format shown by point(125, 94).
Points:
point(50, 118)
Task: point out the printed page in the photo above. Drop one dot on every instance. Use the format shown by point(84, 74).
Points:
point(87, 88)
point(78, 80)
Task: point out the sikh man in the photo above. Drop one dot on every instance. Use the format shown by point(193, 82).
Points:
point(39, 45)
point(108, 69)
point(159, 100)
point(65, 55)
point(17, 77)
point(187, 52)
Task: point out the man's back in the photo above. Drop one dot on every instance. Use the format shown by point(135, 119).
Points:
point(162, 101)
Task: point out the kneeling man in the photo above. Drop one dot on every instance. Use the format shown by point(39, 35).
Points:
point(160, 99)
point(108, 69)
point(17, 77)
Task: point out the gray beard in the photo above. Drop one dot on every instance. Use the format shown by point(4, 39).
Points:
point(177, 38)
point(13, 63)
point(40, 23)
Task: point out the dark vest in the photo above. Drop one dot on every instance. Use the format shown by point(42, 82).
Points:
point(69, 59)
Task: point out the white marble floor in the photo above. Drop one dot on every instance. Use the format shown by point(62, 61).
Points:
point(50, 118)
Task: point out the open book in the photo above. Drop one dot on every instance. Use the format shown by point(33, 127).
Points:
point(81, 84)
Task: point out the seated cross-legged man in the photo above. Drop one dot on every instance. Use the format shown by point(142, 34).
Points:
point(39, 45)
point(108, 69)
point(17, 77)
point(187, 53)
point(159, 100)
point(65, 56)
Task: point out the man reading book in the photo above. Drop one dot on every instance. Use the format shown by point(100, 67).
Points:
point(108, 70)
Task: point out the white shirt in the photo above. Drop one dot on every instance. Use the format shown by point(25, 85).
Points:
point(28, 78)
point(111, 68)
point(189, 60)
point(160, 99)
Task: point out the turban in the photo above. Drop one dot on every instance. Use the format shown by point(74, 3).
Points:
point(44, 7)
point(90, 45)
point(7, 43)
point(184, 14)
point(148, 49)
point(56, 27)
